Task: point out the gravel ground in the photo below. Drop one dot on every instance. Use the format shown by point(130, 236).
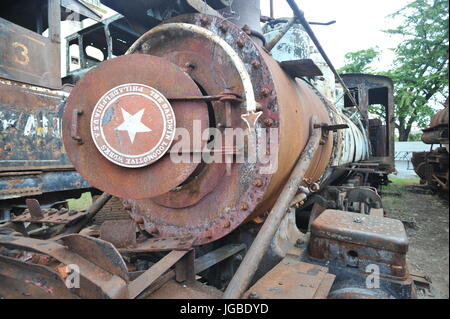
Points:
point(426, 217)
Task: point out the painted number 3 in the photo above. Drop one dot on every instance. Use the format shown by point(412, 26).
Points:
point(21, 57)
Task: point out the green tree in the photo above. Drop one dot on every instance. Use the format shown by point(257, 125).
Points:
point(420, 69)
point(360, 61)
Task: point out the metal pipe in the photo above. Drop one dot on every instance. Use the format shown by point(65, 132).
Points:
point(240, 281)
point(269, 46)
point(90, 214)
point(301, 17)
point(272, 13)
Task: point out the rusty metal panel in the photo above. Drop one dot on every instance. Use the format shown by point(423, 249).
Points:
point(30, 127)
point(160, 244)
point(356, 240)
point(21, 280)
point(120, 233)
point(28, 57)
point(293, 279)
point(186, 291)
point(301, 68)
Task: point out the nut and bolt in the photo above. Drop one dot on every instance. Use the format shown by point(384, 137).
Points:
point(223, 28)
point(204, 21)
point(268, 122)
point(265, 92)
point(256, 64)
point(258, 182)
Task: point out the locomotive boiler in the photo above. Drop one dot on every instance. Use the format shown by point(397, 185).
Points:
point(197, 76)
point(213, 145)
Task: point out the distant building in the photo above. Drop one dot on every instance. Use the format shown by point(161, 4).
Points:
point(403, 154)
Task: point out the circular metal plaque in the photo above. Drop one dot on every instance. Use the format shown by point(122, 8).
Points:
point(133, 125)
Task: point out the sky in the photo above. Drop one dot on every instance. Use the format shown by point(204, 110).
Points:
point(358, 25)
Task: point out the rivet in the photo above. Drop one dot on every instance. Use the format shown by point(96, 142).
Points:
point(268, 122)
point(223, 28)
point(226, 224)
point(240, 43)
point(256, 64)
point(204, 21)
point(265, 92)
point(244, 206)
point(258, 182)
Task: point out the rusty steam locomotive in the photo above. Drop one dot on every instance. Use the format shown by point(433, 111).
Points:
point(290, 198)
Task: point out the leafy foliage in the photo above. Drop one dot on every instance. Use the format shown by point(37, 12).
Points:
point(360, 61)
point(420, 70)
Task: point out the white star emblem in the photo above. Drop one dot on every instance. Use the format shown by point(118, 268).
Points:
point(133, 124)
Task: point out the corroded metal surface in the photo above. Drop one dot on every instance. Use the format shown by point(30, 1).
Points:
point(159, 244)
point(293, 279)
point(437, 132)
point(357, 240)
point(262, 241)
point(51, 216)
point(137, 183)
point(95, 282)
point(21, 280)
point(29, 57)
point(121, 233)
point(234, 196)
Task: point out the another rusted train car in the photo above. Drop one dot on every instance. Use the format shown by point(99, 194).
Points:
point(432, 167)
point(288, 209)
point(33, 161)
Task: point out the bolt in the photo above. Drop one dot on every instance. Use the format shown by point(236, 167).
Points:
point(358, 220)
point(204, 21)
point(256, 64)
point(223, 28)
point(226, 224)
point(244, 206)
point(265, 92)
point(268, 122)
point(258, 182)
point(209, 235)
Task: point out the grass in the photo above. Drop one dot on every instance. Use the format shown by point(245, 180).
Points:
point(81, 203)
point(395, 200)
point(398, 183)
point(404, 181)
